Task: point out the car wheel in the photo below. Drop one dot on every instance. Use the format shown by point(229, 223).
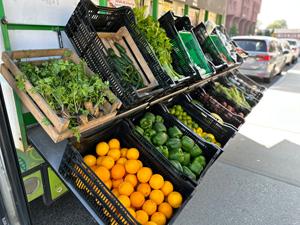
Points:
point(267, 80)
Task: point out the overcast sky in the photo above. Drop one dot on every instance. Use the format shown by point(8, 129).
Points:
point(274, 9)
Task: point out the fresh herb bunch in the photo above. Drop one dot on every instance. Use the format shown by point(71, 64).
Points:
point(158, 39)
point(67, 88)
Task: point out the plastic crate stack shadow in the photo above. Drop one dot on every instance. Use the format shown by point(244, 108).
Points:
point(102, 201)
point(88, 19)
point(211, 152)
point(182, 62)
point(215, 106)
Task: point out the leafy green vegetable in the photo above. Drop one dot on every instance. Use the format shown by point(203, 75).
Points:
point(66, 87)
point(158, 39)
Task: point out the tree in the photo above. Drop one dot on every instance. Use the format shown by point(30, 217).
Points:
point(277, 24)
point(233, 31)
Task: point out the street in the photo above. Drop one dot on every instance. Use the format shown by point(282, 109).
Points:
point(256, 181)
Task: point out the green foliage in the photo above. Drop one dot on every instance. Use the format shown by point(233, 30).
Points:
point(158, 39)
point(277, 24)
point(233, 31)
point(65, 86)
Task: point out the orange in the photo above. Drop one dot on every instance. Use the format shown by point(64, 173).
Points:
point(140, 163)
point(132, 153)
point(137, 199)
point(175, 199)
point(132, 166)
point(132, 212)
point(102, 173)
point(117, 172)
point(124, 152)
point(99, 160)
point(150, 223)
point(102, 148)
point(141, 216)
point(144, 174)
point(116, 183)
point(167, 188)
point(114, 153)
point(90, 160)
point(114, 144)
point(144, 188)
point(94, 167)
point(121, 161)
point(115, 192)
point(108, 184)
point(131, 178)
point(124, 200)
point(166, 209)
point(125, 188)
point(108, 162)
point(150, 207)
point(157, 196)
point(159, 218)
point(156, 181)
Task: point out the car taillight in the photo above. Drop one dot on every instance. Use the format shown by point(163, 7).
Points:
point(294, 49)
point(261, 58)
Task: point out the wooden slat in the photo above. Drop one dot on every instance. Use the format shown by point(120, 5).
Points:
point(37, 53)
point(59, 123)
point(27, 101)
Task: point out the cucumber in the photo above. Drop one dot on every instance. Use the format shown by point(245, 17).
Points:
point(120, 48)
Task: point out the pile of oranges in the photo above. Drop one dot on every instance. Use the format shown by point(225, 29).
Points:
point(148, 197)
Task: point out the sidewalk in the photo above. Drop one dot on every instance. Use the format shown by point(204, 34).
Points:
point(256, 181)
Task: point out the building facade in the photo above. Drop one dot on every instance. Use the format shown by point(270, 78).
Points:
point(242, 16)
point(287, 33)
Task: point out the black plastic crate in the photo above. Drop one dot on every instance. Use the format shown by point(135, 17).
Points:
point(97, 195)
point(82, 29)
point(209, 88)
point(244, 80)
point(209, 124)
point(210, 151)
point(181, 60)
point(216, 107)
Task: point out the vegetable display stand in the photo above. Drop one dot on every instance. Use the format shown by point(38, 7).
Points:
point(247, 82)
point(88, 19)
point(153, 139)
point(54, 123)
point(211, 49)
point(220, 97)
point(126, 45)
point(103, 202)
point(200, 97)
point(182, 61)
point(207, 123)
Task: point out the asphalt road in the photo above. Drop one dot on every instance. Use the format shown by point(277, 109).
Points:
point(255, 182)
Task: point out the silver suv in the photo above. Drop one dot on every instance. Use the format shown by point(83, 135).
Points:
point(266, 56)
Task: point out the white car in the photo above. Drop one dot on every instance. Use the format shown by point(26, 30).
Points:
point(294, 43)
point(288, 52)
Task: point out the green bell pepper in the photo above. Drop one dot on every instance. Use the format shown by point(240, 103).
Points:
point(163, 150)
point(177, 165)
point(187, 143)
point(159, 119)
point(159, 127)
point(159, 139)
point(176, 154)
point(201, 159)
point(189, 173)
point(187, 159)
point(150, 116)
point(196, 151)
point(145, 123)
point(173, 143)
point(139, 130)
point(174, 132)
point(196, 167)
point(149, 132)
point(148, 138)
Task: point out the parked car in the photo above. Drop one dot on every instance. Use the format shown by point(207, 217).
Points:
point(288, 52)
point(266, 58)
point(294, 43)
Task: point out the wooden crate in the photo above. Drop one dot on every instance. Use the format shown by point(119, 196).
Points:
point(123, 37)
point(35, 103)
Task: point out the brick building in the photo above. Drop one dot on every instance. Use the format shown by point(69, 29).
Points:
point(242, 14)
point(287, 33)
